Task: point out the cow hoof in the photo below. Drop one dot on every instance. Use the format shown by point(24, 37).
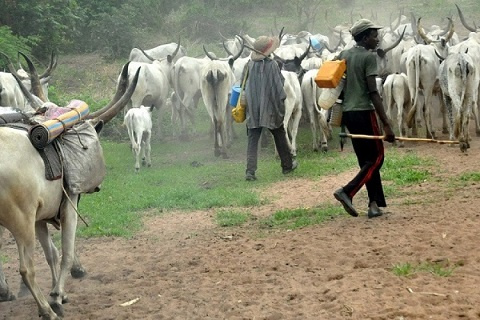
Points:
point(57, 308)
point(324, 149)
point(7, 297)
point(216, 153)
point(224, 156)
point(464, 146)
point(78, 273)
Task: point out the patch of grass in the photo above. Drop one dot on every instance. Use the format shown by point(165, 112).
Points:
point(301, 217)
point(405, 169)
point(441, 268)
point(231, 218)
point(470, 176)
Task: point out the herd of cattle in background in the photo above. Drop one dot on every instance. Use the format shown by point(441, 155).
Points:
point(420, 70)
point(415, 64)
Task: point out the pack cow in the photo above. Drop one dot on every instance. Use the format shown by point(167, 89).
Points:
point(459, 83)
point(29, 200)
point(216, 81)
point(139, 126)
point(397, 95)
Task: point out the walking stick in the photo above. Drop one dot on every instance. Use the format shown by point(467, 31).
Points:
point(364, 136)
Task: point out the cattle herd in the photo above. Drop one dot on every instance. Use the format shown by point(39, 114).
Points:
point(421, 70)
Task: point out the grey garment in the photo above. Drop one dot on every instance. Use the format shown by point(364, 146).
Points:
point(265, 95)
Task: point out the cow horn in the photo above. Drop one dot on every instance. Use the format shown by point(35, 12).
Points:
point(439, 56)
point(464, 22)
point(396, 43)
point(226, 49)
point(422, 33)
point(208, 54)
point(121, 88)
point(223, 37)
point(451, 31)
point(239, 53)
point(35, 101)
point(306, 51)
point(281, 34)
point(122, 102)
point(34, 79)
point(51, 67)
point(174, 53)
point(147, 55)
point(398, 22)
point(447, 29)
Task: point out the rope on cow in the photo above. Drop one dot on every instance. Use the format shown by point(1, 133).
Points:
point(73, 205)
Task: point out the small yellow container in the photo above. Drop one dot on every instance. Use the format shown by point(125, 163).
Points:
point(330, 73)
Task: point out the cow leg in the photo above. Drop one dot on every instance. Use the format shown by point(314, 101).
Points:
point(68, 227)
point(5, 293)
point(26, 249)
point(216, 132)
point(222, 129)
point(294, 129)
point(138, 150)
point(147, 147)
point(49, 249)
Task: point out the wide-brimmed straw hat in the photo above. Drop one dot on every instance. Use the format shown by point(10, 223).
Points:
point(263, 47)
point(362, 25)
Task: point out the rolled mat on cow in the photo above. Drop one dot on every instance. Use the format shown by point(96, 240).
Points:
point(44, 133)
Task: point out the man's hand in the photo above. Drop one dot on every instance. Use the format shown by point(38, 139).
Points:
point(389, 135)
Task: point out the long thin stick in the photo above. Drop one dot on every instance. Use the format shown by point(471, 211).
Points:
point(364, 136)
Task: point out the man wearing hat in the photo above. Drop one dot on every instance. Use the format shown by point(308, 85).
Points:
point(361, 105)
point(265, 98)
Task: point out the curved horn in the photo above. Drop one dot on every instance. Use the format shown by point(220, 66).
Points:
point(451, 31)
point(447, 29)
point(208, 54)
point(223, 37)
point(280, 35)
point(117, 106)
point(398, 22)
point(34, 101)
point(422, 33)
point(147, 55)
point(226, 49)
point(464, 22)
point(439, 56)
point(396, 43)
point(51, 67)
point(240, 51)
point(306, 51)
point(121, 88)
point(174, 53)
point(34, 79)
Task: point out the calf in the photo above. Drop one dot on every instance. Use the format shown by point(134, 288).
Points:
point(396, 93)
point(139, 126)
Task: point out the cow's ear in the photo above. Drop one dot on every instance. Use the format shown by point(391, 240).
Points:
point(169, 59)
point(99, 126)
point(230, 62)
point(444, 43)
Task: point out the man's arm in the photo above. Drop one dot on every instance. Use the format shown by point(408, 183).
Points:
point(378, 105)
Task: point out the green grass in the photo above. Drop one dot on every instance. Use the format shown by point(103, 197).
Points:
point(301, 217)
point(441, 269)
point(231, 218)
point(185, 175)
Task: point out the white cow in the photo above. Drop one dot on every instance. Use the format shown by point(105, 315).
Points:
point(216, 81)
point(186, 86)
point(293, 108)
point(422, 73)
point(317, 116)
point(162, 51)
point(139, 126)
point(459, 83)
point(396, 94)
point(10, 92)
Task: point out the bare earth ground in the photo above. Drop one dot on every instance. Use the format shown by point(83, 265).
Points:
point(183, 266)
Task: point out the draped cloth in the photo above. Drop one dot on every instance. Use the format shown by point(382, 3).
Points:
point(265, 95)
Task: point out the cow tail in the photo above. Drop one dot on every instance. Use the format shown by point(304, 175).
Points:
point(411, 113)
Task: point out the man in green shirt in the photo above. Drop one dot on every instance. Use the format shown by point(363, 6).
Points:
point(361, 105)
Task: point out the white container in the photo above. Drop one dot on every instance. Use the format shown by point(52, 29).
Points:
point(328, 96)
